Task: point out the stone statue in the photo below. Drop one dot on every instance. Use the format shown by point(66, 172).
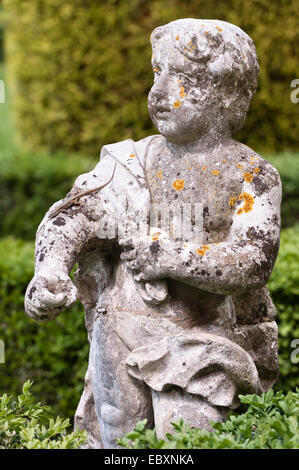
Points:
point(179, 326)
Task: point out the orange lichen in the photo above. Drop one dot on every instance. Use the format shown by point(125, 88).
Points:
point(239, 165)
point(177, 104)
point(232, 201)
point(206, 32)
point(132, 155)
point(190, 168)
point(248, 203)
point(215, 172)
point(219, 29)
point(204, 168)
point(179, 80)
point(182, 92)
point(178, 185)
point(160, 174)
point(155, 236)
point(256, 170)
point(177, 37)
point(248, 177)
point(202, 251)
point(156, 69)
point(223, 160)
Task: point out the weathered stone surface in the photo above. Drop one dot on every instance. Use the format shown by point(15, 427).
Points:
point(178, 327)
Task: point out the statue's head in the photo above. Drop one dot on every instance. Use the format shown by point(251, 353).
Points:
point(205, 75)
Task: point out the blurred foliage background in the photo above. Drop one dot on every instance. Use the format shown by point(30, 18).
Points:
point(77, 76)
point(80, 71)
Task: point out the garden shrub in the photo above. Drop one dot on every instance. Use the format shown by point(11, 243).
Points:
point(80, 71)
point(26, 424)
point(54, 355)
point(271, 421)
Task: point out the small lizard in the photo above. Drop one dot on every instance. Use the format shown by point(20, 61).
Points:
point(75, 199)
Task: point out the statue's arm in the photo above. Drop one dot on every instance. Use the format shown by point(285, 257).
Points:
point(59, 241)
point(246, 259)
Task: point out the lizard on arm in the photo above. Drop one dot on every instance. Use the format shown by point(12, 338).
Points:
point(60, 237)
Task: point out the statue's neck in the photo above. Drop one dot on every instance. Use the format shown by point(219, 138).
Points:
point(209, 142)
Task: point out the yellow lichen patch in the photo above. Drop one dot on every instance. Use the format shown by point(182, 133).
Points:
point(198, 165)
point(206, 32)
point(156, 69)
point(179, 80)
point(204, 168)
point(193, 47)
point(190, 168)
point(219, 29)
point(160, 174)
point(244, 56)
point(182, 92)
point(202, 250)
point(177, 37)
point(215, 172)
point(132, 155)
point(178, 185)
point(232, 201)
point(155, 236)
point(256, 170)
point(224, 160)
point(189, 43)
point(239, 165)
point(177, 104)
point(248, 203)
point(248, 177)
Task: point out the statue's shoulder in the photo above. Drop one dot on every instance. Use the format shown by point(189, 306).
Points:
point(128, 149)
point(265, 174)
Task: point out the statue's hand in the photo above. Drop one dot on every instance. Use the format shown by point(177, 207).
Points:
point(48, 294)
point(146, 257)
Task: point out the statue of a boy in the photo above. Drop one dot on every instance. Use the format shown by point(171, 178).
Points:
point(178, 328)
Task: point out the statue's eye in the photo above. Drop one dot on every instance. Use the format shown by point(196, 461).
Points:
point(186, 78)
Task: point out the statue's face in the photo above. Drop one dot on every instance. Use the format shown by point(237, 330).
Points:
point(179, 102)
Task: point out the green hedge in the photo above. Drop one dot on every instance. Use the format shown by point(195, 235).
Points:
point(80, 71)
point(269, 422)
point(26, 424)
point(54, 355)
point(30, 184)
point(284, 287)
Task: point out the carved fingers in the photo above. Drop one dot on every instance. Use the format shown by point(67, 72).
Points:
point(48, 294)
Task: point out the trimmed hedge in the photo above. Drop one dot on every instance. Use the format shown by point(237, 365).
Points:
point(80, 71)
point(30, 184)
point(284, 288)
point(54, 355)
